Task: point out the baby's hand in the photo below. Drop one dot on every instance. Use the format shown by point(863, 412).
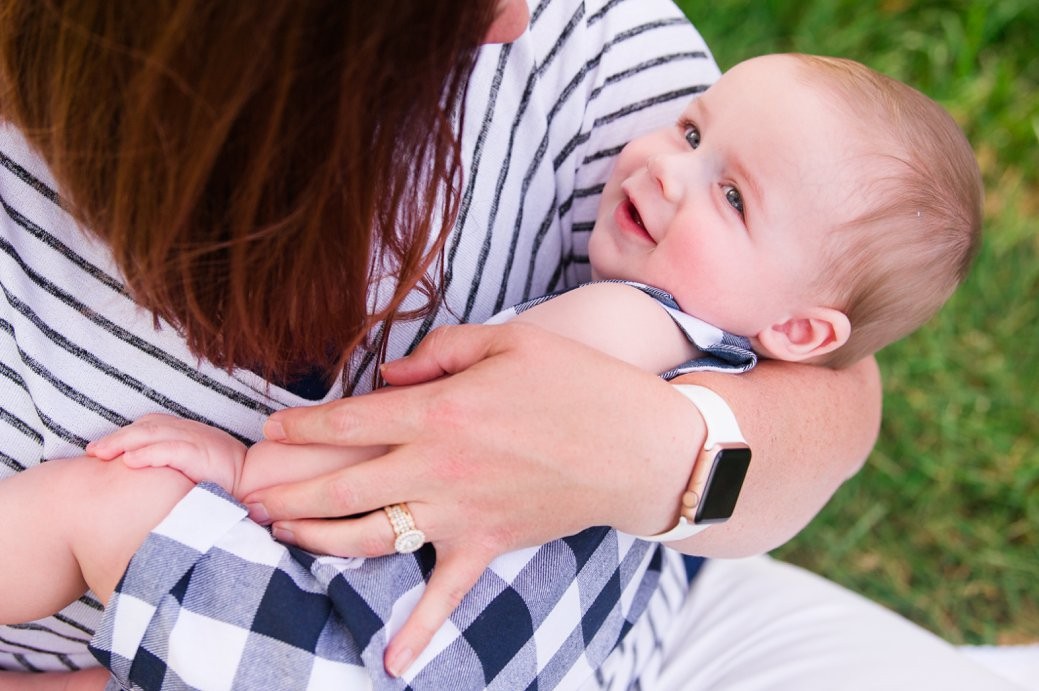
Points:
point(201, 452)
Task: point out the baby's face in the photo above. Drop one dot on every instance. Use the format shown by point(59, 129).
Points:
point(728, 208)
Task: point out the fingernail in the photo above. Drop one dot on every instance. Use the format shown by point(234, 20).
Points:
point(398, 664)
point(273, 430)
point(258, 513)
point(284, 535)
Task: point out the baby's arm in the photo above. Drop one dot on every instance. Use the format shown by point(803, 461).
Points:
point(619, 320)
point(84, 519)
point(206, 454)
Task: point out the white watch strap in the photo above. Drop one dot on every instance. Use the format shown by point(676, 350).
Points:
point(685, 528)
point(721, 427)
point(718, 416)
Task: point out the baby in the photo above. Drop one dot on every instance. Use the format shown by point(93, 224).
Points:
point(803, 208)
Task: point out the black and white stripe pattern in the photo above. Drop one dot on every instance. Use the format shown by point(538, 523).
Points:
point(545, 118)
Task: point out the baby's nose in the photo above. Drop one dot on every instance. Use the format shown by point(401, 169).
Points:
point(666, 171)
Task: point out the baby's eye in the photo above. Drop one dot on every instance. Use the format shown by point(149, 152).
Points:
point(735, 199)
point(692, 135)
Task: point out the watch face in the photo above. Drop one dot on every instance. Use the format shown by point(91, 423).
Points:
point(723, 484)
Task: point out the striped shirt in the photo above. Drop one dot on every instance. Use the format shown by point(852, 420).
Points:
point(545, 118)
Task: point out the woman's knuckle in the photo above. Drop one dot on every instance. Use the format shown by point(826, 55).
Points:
point(341, 493)
point(339, 422)
point(497, 538)
point(440, 336)
point(371, 546)
point(454, 594)
point(453, 470)
point(449, 414)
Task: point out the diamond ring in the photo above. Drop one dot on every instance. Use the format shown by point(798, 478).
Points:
point(409, 538)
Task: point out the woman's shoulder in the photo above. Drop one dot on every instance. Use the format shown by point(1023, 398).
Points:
point(22, 172)
point(599, 25)
point(39, 234)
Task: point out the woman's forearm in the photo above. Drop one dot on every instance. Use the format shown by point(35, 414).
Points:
point(810, 428)
point(269, 463)
point(83, 680)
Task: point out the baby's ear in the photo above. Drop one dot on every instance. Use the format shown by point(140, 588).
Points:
point(816, 332)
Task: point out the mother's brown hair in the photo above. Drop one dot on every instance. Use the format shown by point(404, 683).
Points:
point(254, 166)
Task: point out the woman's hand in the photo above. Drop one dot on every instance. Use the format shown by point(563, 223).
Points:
point(532, 437)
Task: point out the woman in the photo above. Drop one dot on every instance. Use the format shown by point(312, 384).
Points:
point(255, 203)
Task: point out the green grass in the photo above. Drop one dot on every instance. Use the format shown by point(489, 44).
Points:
point(943, 523)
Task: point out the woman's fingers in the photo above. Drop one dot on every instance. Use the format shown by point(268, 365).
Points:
point(356, 421)
point(369, 535)
point(456, 573)
point(83, 680)
point(393, 415)
point(511, 450)
point(358, 489)
point(457, 570)
point(446, 350)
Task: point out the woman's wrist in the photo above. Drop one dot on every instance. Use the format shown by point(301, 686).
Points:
point(718, 470)
point(650, 494)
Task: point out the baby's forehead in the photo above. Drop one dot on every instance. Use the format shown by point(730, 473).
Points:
point(842, 84)
point(761, 86)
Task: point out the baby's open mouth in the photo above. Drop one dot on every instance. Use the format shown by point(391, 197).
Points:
point(635, 216)
point(628, 220)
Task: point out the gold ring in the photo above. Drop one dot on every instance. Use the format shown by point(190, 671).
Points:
point(409, 538)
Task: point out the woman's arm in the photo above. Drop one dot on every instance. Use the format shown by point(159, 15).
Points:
point(792, 475)
point(810, 429)
point(83, 680)
point(517, 447)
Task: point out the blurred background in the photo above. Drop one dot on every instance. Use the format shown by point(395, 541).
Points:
point(942, 525)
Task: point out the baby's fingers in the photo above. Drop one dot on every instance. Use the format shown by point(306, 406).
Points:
point(150, 429)
point(453, 577)
point(161, 454)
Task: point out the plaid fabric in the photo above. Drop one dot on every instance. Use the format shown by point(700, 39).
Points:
point(546, 617)
point(721, 350)
point(212, 602)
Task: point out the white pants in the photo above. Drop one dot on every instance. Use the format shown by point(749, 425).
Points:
point(758, 623)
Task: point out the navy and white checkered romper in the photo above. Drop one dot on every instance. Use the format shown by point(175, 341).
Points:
point(216, 588)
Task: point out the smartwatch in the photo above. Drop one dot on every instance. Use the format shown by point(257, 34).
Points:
point(719, 470)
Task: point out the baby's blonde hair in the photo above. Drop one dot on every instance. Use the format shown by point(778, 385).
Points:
point(898, 262)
